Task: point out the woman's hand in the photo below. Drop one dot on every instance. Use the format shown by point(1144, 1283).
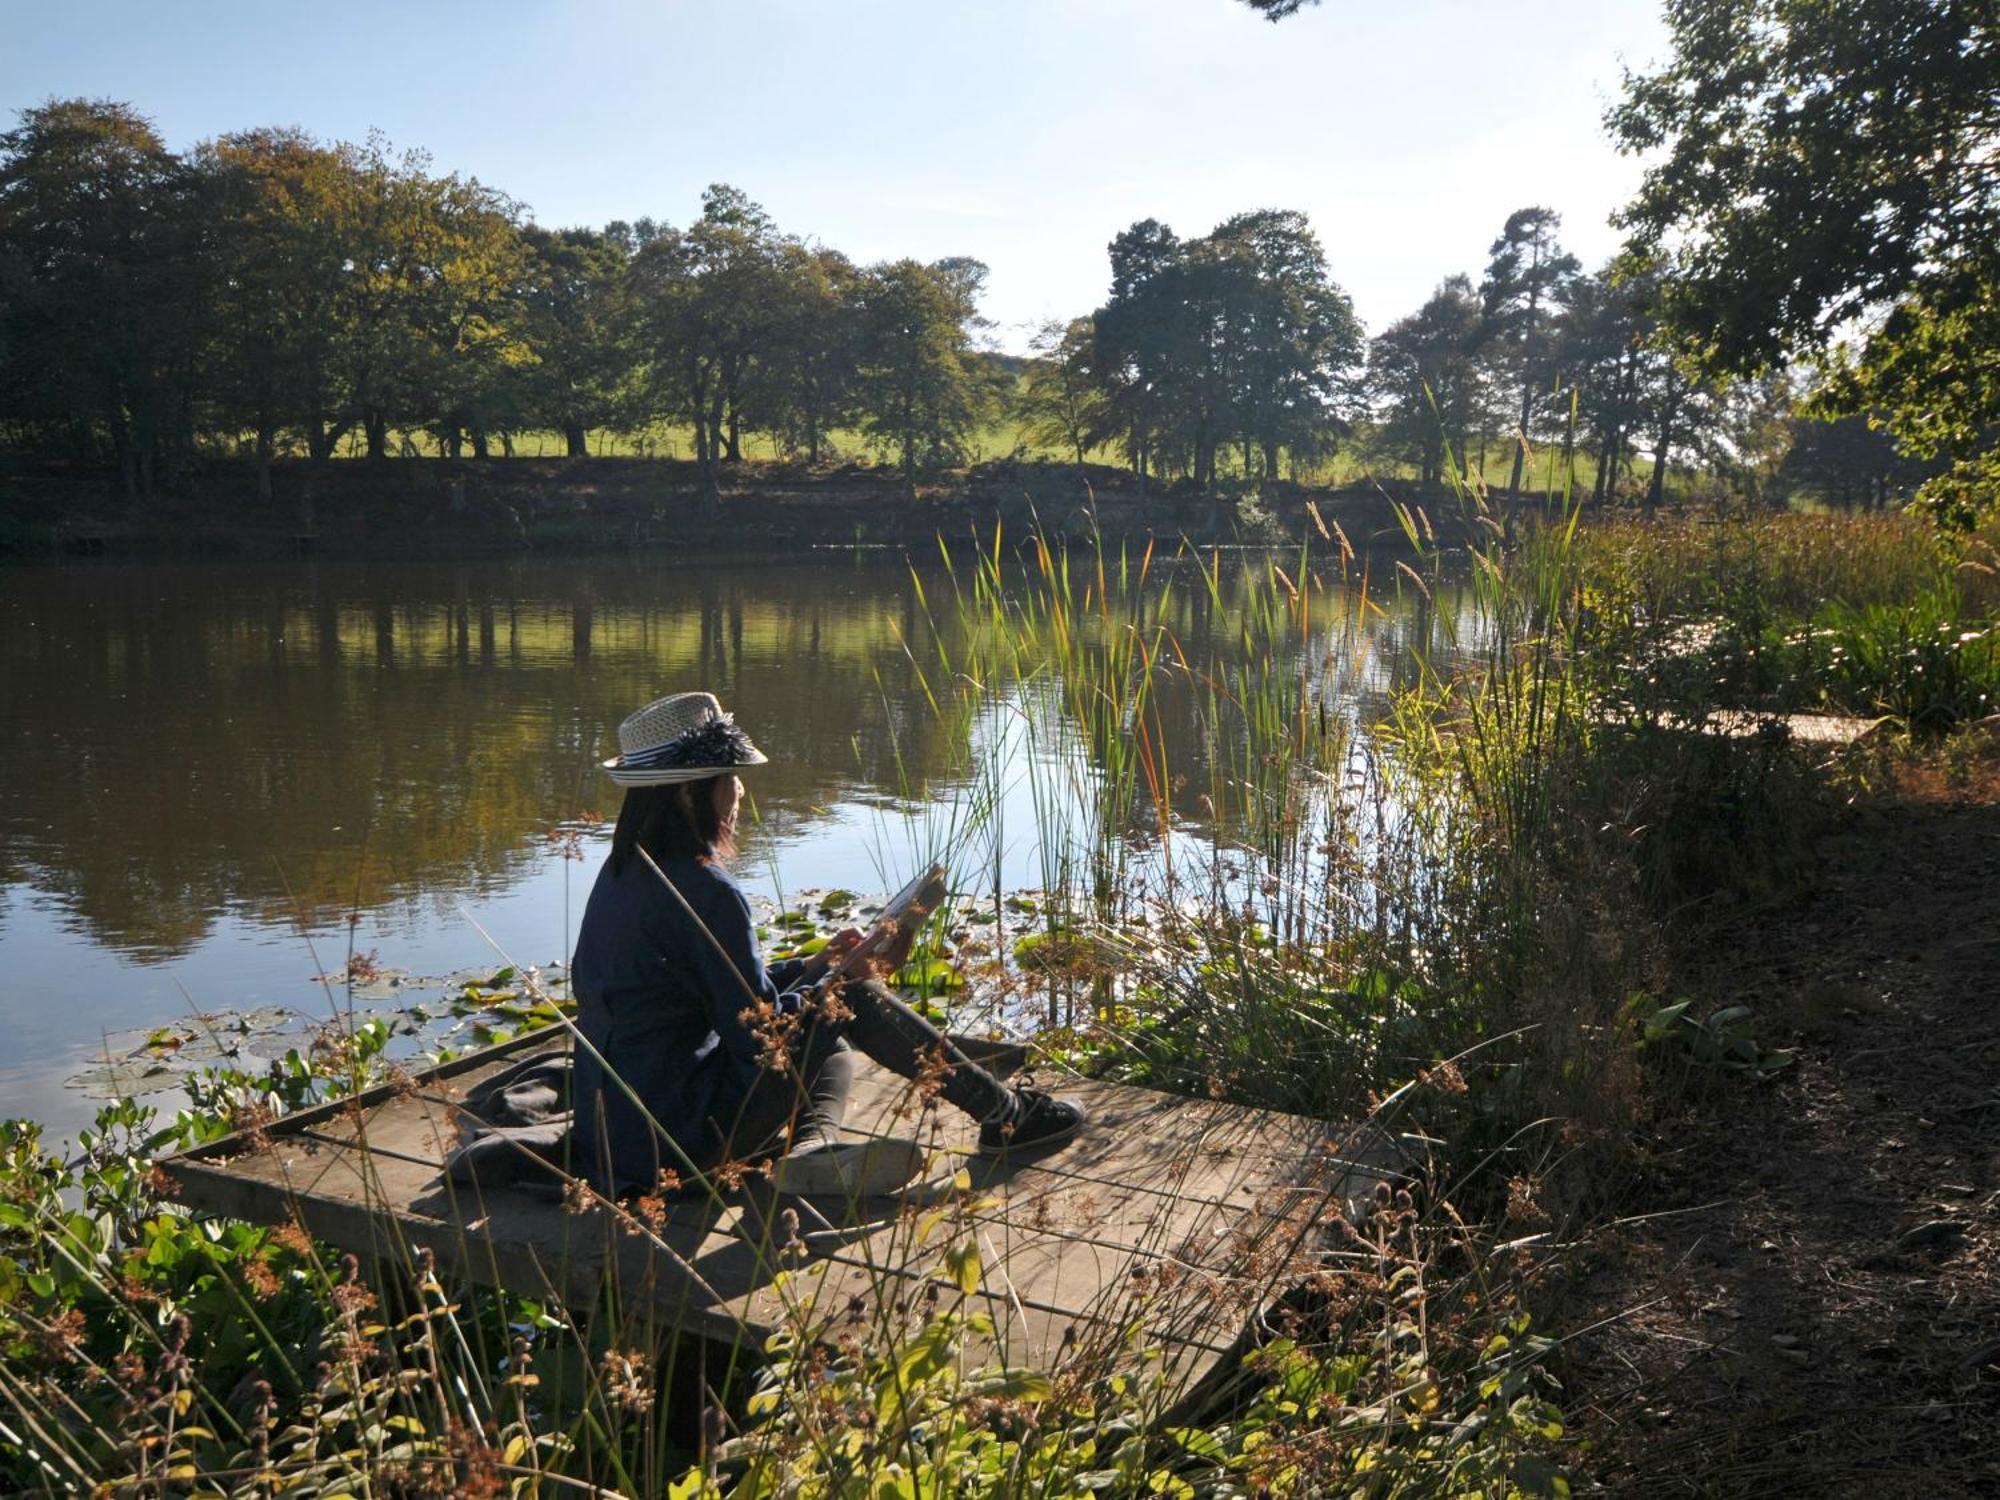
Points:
point(837, 948)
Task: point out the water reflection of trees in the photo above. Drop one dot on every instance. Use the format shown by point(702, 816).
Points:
point(292, 743)
point(186, 742)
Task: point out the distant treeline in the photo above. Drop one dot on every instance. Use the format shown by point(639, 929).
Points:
point(270, 292)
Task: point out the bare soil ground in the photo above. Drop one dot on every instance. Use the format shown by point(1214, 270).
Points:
point(1813, 1307)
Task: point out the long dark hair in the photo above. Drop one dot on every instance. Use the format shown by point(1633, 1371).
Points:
point(670, 822)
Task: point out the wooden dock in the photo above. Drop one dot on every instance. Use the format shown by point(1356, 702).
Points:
point(1168, 1219)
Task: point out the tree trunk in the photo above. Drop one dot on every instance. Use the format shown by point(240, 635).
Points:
point(1270, 458)
point(709, 423)
point(1656, 491)
point(375, 424)
point(576, 440)
point(128, 462)
point(267, 437)
point(480, 448)
point(323, 436)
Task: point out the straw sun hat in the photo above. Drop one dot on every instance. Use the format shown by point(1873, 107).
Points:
point(681, 737)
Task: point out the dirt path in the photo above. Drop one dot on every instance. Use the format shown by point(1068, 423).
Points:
point(1818, 1312)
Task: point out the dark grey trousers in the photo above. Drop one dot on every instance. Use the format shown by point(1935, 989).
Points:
point(812, 1094)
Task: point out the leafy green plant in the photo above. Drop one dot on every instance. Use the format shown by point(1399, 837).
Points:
point(1726, 1039)
point(1923, 663)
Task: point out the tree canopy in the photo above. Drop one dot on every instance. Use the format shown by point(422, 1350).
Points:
point(271, 292)
point(1827, 174)
point(1239, 337)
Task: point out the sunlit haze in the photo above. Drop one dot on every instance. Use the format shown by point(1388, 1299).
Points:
point(1024, 133)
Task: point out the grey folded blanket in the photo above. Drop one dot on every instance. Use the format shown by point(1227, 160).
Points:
point(515, 1127)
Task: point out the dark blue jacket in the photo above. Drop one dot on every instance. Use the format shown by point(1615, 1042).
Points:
point(664, 1009)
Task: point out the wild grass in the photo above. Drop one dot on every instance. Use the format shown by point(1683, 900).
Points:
point(1880, 616)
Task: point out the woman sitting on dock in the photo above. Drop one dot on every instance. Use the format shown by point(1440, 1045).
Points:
point(719, 1059)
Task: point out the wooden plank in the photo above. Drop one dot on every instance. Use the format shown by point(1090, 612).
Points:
point(1172, 1215)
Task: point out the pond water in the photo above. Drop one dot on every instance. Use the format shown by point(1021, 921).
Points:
point(218, 780)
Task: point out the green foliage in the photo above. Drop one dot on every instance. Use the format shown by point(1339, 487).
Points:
point(572, 315)
point(1526, 278)
point(280, 295)
point(1923, 663)
point(1063, 402)
point(1877, 616)
point(1725, 1040)
point(1238, 337)
point(95, 215)
point(919, 392)
point(1814, 165)
point(1429, 383)
point(301, 293)
point(1378, 1372)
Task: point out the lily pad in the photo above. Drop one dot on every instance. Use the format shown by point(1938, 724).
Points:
point(804, 950)
point(377, 984)
point(930, 976)
point(126, 1079)
point(274, 1044)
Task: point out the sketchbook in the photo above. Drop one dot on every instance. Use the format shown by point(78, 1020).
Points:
point(918, 899)
point(907, 908)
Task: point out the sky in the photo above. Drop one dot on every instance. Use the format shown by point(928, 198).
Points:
point(1025, 133)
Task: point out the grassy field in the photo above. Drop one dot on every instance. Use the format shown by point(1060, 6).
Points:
point(1004, 437)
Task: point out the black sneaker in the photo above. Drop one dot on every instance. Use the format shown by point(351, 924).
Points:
point(1040, 1121)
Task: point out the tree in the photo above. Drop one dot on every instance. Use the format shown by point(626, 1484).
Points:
point(1236, 338)
point(1294, 342)
point(274, 204)
point(1522, 291)
point(99, 287)
point(920, 392)
point(1141, 341)
point(703, 301)
point(1822, 166)
point(1062, 400)
point(571, 309)
point(1426, 379)
point(1601, 344)
point(1850, 462)
point(469, 269)
point(804, 386)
